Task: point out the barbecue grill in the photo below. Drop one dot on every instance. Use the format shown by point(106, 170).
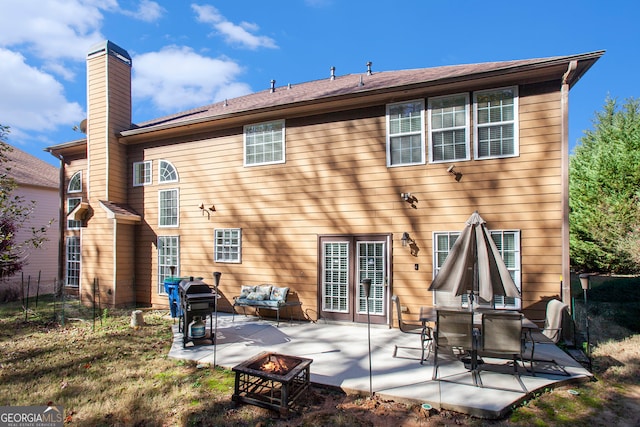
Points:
point(197, 300)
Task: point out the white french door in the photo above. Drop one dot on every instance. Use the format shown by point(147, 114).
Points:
point(345, 262)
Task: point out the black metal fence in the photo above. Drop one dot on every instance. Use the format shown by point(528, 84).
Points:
point(612, 304)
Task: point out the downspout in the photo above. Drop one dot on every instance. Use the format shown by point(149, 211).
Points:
point(565, 278)
point(61, 215)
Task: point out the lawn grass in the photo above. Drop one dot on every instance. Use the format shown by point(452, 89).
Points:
point(104, 372)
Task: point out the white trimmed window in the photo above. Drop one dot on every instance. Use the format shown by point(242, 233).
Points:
point(168, 208)
point(449, 128)
point(168, 256)
point(508, 243)
point(73, 261)
point(228, 245)
point(405, 135)
point(75, 183)
point(264, 143)
point(72, 202)
point(496, 124)
point(167, 172)
point(141, 173)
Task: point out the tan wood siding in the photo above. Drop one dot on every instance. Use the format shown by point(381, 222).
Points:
point(335, 181)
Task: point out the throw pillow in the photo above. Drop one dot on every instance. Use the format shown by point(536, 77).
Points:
point(246, 290)
point(278, 293)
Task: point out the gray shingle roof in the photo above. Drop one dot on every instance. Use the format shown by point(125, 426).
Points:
point(26, 169)
point(351, 85)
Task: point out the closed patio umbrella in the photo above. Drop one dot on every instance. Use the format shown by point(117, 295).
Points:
point(475, 266)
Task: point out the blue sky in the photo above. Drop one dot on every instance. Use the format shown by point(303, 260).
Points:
point(188, 54)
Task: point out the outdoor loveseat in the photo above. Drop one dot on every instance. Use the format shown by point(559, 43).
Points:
point(266, 297)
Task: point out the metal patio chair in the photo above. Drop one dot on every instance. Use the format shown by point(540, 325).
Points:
point(502, 337)
point(423, 331)
point(551, 332)
point(454, 332)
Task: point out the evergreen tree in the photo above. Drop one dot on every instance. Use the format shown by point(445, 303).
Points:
point(604, 192)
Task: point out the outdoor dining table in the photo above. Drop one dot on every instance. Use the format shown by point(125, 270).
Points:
point(430, 315)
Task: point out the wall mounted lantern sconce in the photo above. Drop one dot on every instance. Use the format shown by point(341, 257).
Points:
point(456, 174)
point(212, 208)
point(408, 241)
point(410, 198)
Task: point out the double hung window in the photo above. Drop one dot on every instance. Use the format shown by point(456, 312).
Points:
point(168, 208)
point(73, 261)
point(508, 244)
point(72, 202)
point(168, 256)
point(496, 129)
point(449, 128)
point(264, 143)
point(405, 133)
point(228, 245)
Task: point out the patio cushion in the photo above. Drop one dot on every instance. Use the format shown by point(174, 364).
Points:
point(279, 293)
point(255, 296)
point(258, 303)
point(245, 290)
point(264, 292)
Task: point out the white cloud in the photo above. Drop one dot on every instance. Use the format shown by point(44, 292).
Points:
point(235, 34)
point(24, 87)
point(191, 79)
point(148, 11)
point(53, 30)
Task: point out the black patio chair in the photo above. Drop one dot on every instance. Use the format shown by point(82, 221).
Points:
point(424, 331)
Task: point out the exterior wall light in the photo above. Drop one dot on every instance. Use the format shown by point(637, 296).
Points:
point(410, 198)
point(456, 174)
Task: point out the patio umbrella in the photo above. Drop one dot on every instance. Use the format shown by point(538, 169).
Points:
point(475, 266)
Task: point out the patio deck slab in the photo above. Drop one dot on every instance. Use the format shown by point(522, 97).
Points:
point(340, 354)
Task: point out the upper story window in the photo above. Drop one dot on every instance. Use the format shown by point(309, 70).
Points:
point(168, 208)
point(167, 172)
point(264, 143)
point(449, 128)
point(72, 202)
point(405, 133)
point(141, 173)
point(496, 124)
point(75, 183)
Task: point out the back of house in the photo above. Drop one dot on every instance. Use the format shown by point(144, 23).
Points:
point(318, 185)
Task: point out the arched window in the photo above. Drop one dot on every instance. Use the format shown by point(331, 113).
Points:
point(167, 172)
point(75, 183)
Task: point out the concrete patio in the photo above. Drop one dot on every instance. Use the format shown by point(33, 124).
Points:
point(340, 359)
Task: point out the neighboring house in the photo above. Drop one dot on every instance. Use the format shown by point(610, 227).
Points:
point(38, 181)
point(313, 185)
